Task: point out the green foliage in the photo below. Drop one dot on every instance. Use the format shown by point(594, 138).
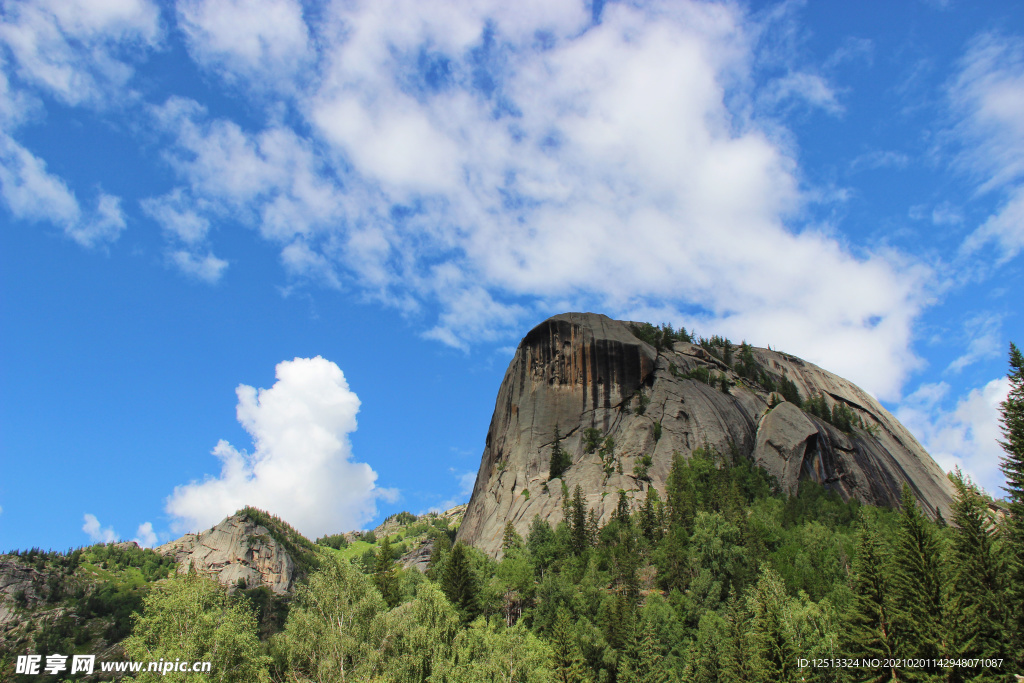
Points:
point(977, 607)
point(385, 576)
point(789, 391)
point(660, 337)
point(643, 400)
point(591, 439)
point(191, 618)
point(303, 551)
point(561, 460)
point(656, 432)
point(336, 541)
point(459, 583)
point(641, 468)
point(369, 537)
point(918, 582)
point(1012, 465)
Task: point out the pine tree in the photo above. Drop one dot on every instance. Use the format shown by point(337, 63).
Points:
point(567, 658)
point(642, 660)
point(918, 584)
point(560, 459)
point(385, 576)
point(977, 605)
point(511, 540)
point(772, 632)
point(578, 522)
point(870, 632)
point(1012, 466)
point(459, 583)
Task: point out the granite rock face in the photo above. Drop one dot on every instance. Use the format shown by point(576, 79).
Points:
point(235, 549)
point(576, 371)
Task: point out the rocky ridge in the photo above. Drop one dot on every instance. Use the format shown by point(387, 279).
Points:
point(236, 552)
point(580, 371)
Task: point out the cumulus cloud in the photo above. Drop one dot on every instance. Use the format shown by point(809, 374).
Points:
point(483, 165)
point(96, 533)
point(988, 97)
point(967, 436)
point(145, 536)
point(301, 466)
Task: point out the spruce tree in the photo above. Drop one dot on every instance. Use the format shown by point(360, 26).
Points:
point(578, 522)
point(976, 599)
point(385, 576)
point(772, 631)
point(567, 663)
point(459, 583)
point(870, 631)
point(918, 584)
point(511, 540)
point(1012, 466)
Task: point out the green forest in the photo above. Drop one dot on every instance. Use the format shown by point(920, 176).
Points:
point(722, 578)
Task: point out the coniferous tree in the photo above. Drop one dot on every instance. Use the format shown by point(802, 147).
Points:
point(736, 656)
point(976, 599)
point(649, 526)
point(511, 540)
point(918, 584)
point(771, 631)
point(579, 536)
point(1012, 466)
point(870, 631)
point(560, 459)
point(385, 576)
point(567, 663)
point(459, 583)
point(642, 660)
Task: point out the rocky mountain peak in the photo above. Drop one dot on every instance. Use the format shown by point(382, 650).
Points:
point(615, 398)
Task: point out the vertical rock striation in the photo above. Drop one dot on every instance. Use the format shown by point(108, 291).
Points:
point(579, 371)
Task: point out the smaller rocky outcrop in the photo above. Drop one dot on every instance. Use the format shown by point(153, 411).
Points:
point(238, 552)
point(418, 558)
point(18, 583)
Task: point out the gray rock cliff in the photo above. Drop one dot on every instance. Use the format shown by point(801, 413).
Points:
point(236, 548)
point(583, 370)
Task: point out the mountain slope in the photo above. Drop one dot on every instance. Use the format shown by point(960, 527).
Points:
point(615, 398)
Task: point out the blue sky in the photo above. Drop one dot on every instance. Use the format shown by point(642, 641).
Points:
point(280, 252)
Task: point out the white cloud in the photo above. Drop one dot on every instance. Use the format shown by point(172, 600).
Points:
point(32, 193)
point(177, 216)
point(812, 88)
point(261, 40)
point(72, 49)
point(104, 225)
point(466, 482)
point(983, 332)
point(988, 97)
point(966, 436)
point(301, 467)
point(486, 164)
point(145, 536)
point(205, 267)
point(96, 533)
